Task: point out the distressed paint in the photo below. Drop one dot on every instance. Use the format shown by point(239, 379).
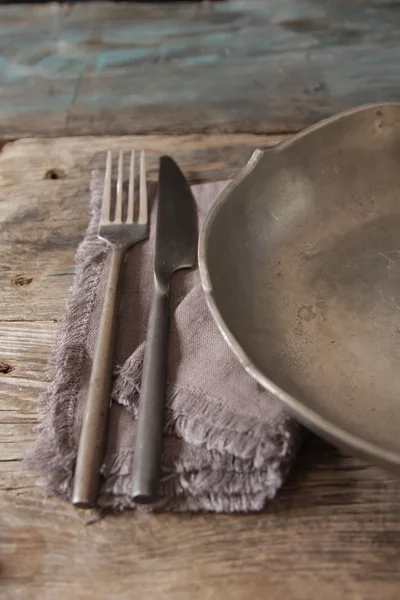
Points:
point(107, 68)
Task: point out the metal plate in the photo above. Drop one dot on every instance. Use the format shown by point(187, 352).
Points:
point(300, 261)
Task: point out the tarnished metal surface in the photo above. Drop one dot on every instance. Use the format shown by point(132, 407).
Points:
point(300, 261)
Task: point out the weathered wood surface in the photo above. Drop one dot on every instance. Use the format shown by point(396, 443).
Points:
point(334, 530)
point(235, 66)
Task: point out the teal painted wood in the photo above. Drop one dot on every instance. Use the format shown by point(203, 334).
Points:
point(254, 66)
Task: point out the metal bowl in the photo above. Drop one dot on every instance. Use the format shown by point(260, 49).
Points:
point(300, 261)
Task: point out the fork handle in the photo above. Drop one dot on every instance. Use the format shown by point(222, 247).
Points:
point(94, 426)
point(150, 423)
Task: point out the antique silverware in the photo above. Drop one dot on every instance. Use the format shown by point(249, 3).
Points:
point(120, 234)
point(176, 243)
point(300, 261)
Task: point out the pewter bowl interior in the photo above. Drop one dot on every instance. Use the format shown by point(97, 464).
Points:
point(300, 260)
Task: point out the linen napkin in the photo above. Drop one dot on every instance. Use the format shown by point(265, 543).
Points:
point(228, 443)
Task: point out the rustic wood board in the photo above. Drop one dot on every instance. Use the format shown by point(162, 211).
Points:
point(234, 66)
point(333, 532)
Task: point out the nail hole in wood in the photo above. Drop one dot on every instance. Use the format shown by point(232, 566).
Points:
point(6, 368)
point(21, 280)
point(55, 174)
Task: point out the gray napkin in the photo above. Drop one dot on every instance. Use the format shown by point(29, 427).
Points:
point(228, 443)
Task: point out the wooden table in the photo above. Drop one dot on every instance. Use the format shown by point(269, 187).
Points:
point(333, 532)
point(241, 65)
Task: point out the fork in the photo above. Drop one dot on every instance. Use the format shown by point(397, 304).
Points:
point(120, 235)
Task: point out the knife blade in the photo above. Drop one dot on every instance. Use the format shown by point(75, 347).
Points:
point(176, 234)
point(175, 248)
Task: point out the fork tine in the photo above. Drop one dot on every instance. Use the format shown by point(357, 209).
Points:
point(143, 191)
point(131, 197)
point(105, 207)
point(120, 185)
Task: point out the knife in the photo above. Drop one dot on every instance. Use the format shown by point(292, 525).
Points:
point(176, 247)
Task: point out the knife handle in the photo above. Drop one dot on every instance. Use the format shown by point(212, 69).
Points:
point(150, 423)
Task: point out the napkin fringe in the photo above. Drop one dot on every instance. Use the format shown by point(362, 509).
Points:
point(198, 483)
point(216, 503)
point(259, 460)
point(53, 454)
point(206, 422)
point(217, 490)
point(127, 384)
point(224, 431)
point(190, 414)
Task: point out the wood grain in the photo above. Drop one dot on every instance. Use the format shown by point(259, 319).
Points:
point(334, 530)
point(234, 66)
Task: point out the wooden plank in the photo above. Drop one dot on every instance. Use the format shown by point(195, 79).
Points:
point(334, 530)
point(124, 68)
